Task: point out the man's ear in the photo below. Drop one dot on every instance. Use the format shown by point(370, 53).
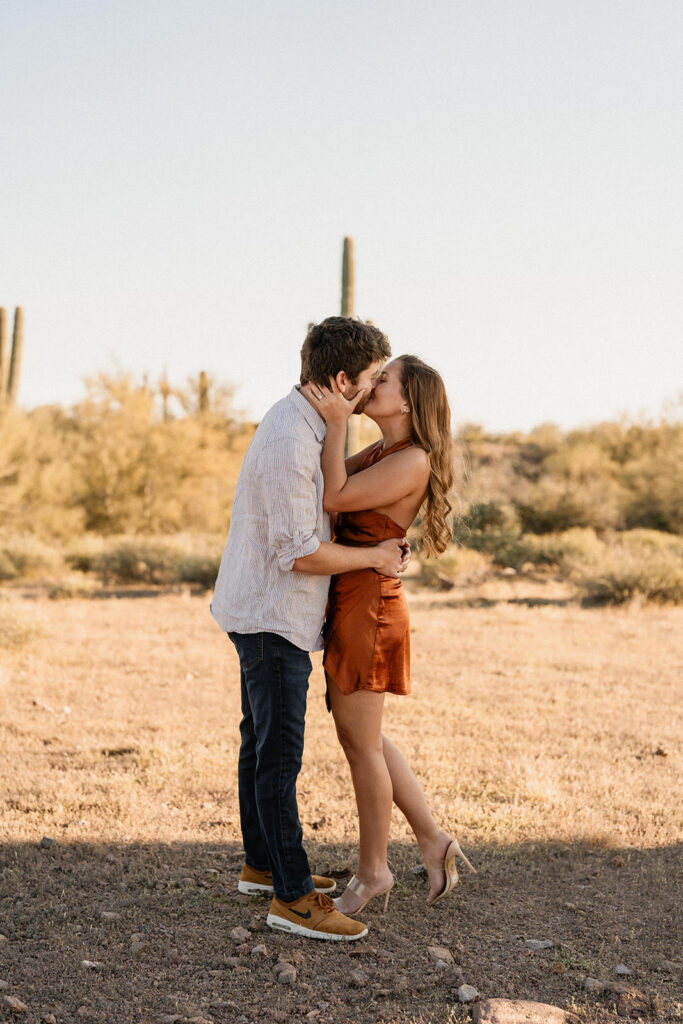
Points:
point(342, 381)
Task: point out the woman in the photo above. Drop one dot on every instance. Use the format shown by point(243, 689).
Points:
point(376, 495)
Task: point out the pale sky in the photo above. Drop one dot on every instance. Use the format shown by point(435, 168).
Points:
point(177, 178)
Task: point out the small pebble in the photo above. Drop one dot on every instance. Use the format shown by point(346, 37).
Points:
point(137, 947)
point(622, 969)
point(91, 965)
point(240, 934)
point(467, 994)
point(109, 915)
point(137, 937)
point(259, 950)
point(49, 1018)
point(286, 973)
point(359, 979)
point(3, 985)
point(441, 955)
point(14, 1004)
point(46, 842)
point(593, 985)
point(535, 944)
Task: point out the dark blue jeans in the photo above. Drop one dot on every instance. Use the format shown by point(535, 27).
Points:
point(274, 676)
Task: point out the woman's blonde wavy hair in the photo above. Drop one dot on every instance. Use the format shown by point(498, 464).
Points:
point(430, 416)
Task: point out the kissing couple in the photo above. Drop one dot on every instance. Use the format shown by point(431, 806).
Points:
point(279, 573)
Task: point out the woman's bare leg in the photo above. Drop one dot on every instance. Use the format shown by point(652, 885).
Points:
point(358, 718)
point(409, 798)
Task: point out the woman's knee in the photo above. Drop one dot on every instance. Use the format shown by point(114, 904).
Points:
point(356, 743)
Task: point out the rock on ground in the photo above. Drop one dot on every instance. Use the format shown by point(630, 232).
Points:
point(536, 944)
point(14, 1004)
point(593, 985)
point(440, 953)
point(519, 1011)
point(467, 993)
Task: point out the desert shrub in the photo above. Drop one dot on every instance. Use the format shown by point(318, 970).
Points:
point(460, 565)
point(156, 560)
point(560, 549)
point(27, 556)
point(73, 585)
point(200, 569)
point(137, 560)
point(116, 463)
point(84, 553)
point(8, 570)
point(493, 528)
point(637, 564)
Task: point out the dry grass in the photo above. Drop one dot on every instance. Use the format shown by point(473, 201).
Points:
point(545, 737)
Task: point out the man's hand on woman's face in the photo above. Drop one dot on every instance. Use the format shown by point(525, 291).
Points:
point(331, 403)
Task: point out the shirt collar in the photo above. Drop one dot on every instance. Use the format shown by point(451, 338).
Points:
point(314, 419)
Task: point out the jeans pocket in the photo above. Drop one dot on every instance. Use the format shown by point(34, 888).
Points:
point(249, 647)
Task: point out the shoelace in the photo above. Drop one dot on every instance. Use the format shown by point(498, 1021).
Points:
point(325, 903)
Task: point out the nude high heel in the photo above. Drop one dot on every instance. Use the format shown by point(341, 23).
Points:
point(450, 870)
point(365, 894)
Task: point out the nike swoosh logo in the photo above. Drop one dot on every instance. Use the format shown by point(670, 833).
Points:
point(299, 914)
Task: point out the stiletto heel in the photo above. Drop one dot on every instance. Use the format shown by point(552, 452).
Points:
point(450, 870)
point(364, 894)
point(455, 845)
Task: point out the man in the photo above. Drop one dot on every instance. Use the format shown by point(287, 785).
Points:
point(270, 598)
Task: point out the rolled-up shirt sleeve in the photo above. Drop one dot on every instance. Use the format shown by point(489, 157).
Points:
point(291, 500)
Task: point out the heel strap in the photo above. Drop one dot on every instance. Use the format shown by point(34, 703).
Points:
point(363, 890)
point(359, 888)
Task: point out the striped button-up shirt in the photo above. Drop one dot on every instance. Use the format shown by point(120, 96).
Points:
point(277, 516)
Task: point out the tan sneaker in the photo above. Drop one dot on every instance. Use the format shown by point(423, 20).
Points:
point(316, 917)
point(253, 881)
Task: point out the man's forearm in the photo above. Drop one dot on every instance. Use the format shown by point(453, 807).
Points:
point(330, 559)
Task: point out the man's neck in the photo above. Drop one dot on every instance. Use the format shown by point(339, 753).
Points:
point(305, 390)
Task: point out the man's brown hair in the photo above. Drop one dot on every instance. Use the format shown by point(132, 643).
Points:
point(341, 343)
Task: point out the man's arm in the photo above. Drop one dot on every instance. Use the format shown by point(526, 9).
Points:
point(390, 558)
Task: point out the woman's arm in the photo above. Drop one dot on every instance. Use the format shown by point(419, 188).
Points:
point(353, 462)
point(393, 478)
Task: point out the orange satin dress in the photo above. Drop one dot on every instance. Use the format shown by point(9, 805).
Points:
point(367, 633)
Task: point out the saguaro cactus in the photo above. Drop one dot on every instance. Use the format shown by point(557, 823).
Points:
point(165, 392)
point(203, 391)
point(348, 297)
point(9, 374)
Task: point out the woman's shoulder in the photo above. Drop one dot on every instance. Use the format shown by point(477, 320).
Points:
point(412, 455)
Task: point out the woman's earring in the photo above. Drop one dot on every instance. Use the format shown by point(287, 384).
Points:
point(405, 409)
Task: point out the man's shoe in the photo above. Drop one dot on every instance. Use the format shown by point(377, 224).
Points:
point(253, 881)
point(316, 917)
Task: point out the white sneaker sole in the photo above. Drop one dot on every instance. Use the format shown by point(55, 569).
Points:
point(254, 888)
point(281, 924)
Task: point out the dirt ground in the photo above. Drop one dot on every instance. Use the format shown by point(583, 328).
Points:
point(546, 738)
